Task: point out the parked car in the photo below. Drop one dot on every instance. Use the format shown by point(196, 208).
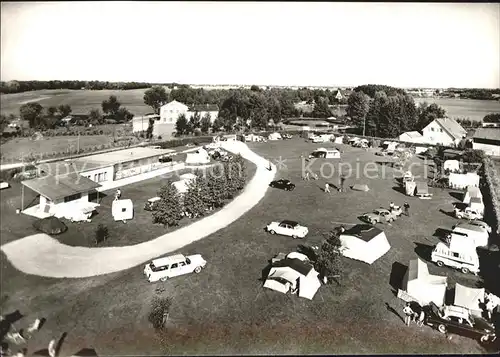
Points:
point(476, 222)
point(162, 269)
point(190, 145)
point(151, 203)
point(468, 213)
point(382, 215)
point(164, 159)
point(283, 184)
point(464, 259)
point(287, 228)
point(286, 136)
point(459, 320)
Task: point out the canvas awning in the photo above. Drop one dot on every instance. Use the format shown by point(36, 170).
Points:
point(470, 298)
point(280, 286)
point(57, 187)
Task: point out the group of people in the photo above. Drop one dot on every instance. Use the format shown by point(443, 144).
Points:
point(406, 208)
point(414, 312)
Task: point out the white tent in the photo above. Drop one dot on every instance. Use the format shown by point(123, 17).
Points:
point(365, 243)
point(410, 187)
point(294, 274)
point(451, 165)
point(4, 185)
point(275, 136)
point(122, 210)
point(326, 153)
point(471, 193)
point(462, 181)
point(422, 286)
point(339, 140)
point(201, 156)
point(470, 298)
point(183, 184)
point(188, 176)
point(360, 187)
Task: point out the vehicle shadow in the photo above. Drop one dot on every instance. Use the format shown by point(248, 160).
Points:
point(424, 251)
point(400, 189)
point(449, 214)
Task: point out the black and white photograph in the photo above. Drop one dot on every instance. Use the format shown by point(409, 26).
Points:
point(249, 178)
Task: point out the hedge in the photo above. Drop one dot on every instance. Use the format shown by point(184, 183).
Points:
point(492, 185)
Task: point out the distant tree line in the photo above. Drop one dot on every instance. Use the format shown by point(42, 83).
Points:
point(474, 93)
point(25, 86)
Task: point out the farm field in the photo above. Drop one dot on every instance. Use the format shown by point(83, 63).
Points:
point(460, 108)
point(225, 310)
point(81, 101)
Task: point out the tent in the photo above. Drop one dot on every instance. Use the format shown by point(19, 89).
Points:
point(4, 185)
point(360, 187)
point(50, 225)
point(188, 176)
point(471, 193)
point(422, 190)
point(476, 203)
point(365, 243)
point(295, 275)
point(275, 136)
point(462, 181)
point(451, 165)
point(326, 153)
point(122, 210)
point(339, 140)
point(470, 298)
point(422, 286)
point(201, 156)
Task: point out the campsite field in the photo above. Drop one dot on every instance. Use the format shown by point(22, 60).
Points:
point(81, 101)
point(225, 310)
point(465, 108)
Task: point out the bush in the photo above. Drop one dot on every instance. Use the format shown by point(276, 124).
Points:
point(101, 234)
point(160, 308)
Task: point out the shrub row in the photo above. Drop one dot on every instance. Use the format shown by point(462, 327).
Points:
point(492, 181)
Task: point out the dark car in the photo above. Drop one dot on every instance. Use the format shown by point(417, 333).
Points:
point(164, 159)
point(283, 184)
point(461, 324)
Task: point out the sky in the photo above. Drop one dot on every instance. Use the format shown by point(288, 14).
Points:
point(434, 45)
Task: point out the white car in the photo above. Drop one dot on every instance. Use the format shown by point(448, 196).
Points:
point(476, 223)
point(468, 213)
point(162, 269)
point(287, 228)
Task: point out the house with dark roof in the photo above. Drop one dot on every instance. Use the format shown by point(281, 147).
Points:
point(443, 131)
point(488, 140)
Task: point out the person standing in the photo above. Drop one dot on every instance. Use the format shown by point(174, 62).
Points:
point(409, 313)
point(306, 176)
point(407, 209)
point(391, 206)
point(327, 188)
point(342, 180)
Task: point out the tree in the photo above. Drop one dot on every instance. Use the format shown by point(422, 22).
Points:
point(328, 262)
point(374, 113)
point(4, 121)
point(182, 125)
point(32, 112)
point(195, 203)
point(255, 88)
point(195, 121)
point(123, 115)
point(321, 108)
point(218, 124)
point(111, 106)
point(217, 186)
point(101, 233)
point(492, 118)
point(239, 168)
point(428, 113)
point(168, 209)
point(95, 116)
point(155, 97)
point(205, 124)
point(64, 110)
point(358, 106)
point(51, 111)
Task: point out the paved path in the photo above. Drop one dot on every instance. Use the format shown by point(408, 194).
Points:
point(43, 255)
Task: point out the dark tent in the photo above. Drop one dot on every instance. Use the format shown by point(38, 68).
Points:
point(50, 225)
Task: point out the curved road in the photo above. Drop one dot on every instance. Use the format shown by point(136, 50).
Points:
point(43, 255)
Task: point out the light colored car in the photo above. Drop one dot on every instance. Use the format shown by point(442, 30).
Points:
point(162, 269)
point(382, 215)
point(468, 213)
point(287, 228)
point(476, 223)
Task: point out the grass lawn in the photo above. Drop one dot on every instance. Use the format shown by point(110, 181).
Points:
point(225, 310)
point(81, 101)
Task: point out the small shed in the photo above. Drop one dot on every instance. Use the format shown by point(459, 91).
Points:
point(122, 210)
point(365, 243)
point(422, 286)
point(470, 298)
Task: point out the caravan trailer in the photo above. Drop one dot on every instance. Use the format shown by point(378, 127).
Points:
point(459, 254)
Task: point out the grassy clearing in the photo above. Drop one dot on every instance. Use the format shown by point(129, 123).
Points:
point(81, 101)
point(225, 309)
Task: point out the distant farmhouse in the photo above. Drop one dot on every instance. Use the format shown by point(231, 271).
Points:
point(442, 131)
point(164, 123)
